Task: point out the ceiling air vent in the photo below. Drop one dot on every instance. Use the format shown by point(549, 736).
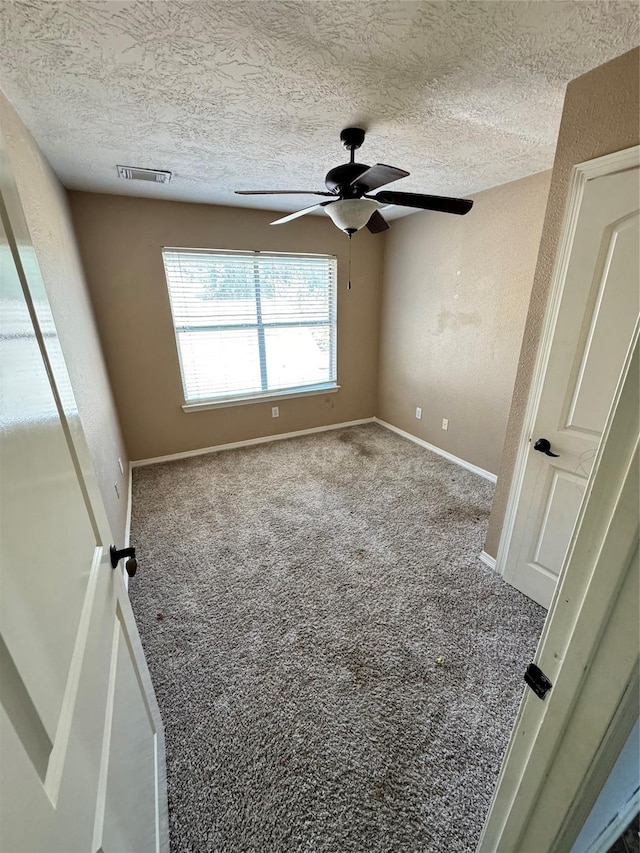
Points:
point(133, 173)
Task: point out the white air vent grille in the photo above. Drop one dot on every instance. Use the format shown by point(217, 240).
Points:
point(133, 173)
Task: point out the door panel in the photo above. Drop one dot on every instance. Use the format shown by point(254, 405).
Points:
point(564, 495)
point(597, 315)
point(39, 611)
point(57, 814)
point(130, 819)
point(610, 330)
point(80, 731)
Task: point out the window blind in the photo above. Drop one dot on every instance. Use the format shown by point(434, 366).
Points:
point(250, 323)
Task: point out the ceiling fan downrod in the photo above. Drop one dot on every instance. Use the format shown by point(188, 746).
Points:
point(352, 138)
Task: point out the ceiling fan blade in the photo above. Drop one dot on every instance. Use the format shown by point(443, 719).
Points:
point(281, 192)
point(426, 202)
point(377, 223)
point(298, 213)
point(378, 176)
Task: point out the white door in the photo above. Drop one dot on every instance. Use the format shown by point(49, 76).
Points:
point(589, 330)
point(81, 741)
point(564, 746)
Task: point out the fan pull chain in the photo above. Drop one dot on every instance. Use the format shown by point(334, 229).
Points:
point(349, 276)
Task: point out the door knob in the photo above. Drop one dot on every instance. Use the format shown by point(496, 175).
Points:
point(544, 446)
point(131, 565)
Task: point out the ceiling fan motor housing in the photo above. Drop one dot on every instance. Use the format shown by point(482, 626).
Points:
point(339, 180)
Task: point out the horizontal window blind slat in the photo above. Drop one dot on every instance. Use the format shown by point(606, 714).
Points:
point(249, 323)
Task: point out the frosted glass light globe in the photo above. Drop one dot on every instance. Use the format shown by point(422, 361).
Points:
point(351, 214)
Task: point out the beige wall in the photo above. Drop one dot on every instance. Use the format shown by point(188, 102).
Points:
point(455, 298)
point(45, 208)
point(120, 241)
point(600, 116)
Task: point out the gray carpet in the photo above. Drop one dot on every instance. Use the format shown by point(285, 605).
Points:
point(336, 670)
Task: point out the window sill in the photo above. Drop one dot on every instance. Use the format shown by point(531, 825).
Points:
point(287, 394)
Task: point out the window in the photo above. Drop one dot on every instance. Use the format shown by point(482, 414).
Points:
point(252, 324)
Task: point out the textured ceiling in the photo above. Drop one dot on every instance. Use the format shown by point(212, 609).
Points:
point(252, 95)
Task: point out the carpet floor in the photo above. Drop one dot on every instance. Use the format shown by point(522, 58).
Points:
point(336, 670)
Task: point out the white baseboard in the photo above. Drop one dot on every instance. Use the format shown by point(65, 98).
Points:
point(462, 462)
point(488, 560)
point(138, 463)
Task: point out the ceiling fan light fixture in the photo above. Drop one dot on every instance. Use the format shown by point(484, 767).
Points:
point(351, 214)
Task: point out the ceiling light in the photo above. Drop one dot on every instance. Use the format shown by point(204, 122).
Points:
point(351, 214)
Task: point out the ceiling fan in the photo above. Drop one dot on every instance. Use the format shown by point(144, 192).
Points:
point(351, 207)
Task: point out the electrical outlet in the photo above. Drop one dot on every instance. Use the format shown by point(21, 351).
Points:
point(121, 466)
point(275, 411)
point(115, 486)
point(418, 413)
point(445, 423)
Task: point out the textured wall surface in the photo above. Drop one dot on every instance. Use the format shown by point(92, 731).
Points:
point(455, 298)
point(242, 95)
point(45, 206)
point(600, 116)
point(121, 239)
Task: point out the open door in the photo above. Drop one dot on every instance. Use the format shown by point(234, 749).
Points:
point(566, 741)
point(81, 738)
point(592, 314)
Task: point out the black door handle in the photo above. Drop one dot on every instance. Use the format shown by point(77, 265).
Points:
point(544, 446)
point(131, 565)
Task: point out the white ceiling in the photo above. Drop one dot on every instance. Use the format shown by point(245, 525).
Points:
point(252, 95)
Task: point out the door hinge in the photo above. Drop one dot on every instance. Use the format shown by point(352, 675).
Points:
point(537, 680)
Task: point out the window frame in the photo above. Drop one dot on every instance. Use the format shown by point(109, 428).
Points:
point(264, 394)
